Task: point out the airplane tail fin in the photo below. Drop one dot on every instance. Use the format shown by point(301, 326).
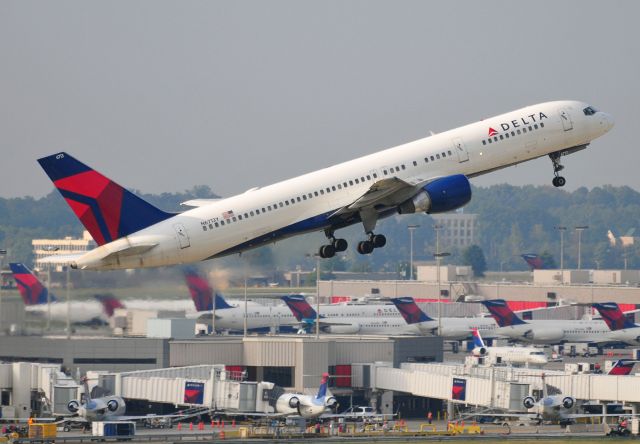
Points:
point(109, 303)
point(202, 294)
point(299, 307)
point(31, 289)
point(477, 339)
point(107, 210)
point(322, 391)
point(410, 311)
point(501, 312)
point(613, 316)
point(533, 260)
point(622, 367)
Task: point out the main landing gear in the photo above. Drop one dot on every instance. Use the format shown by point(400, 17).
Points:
point(335, 246)
point(558, 180)
point(374, 241)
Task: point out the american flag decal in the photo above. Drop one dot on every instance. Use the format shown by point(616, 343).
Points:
point(227, 214)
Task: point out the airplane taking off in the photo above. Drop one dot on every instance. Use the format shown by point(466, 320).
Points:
point(622, 328)
point(546, 331)
point(451, 328)
point(429, 175)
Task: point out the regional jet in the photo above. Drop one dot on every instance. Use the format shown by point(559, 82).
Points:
point(430, 175)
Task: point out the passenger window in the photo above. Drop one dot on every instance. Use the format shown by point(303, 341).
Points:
point(315, 193)
point(403, 167)
point(449, 152)
point(269, 207)
point(495, 138)
point(541, 124)
point(286, 202)
point(357, 180)
point(513, 134)
point(524, 131)
point(321, 191)
point(432, 158)
point(239, 216)
point(385, 172)
point(351, 182)
point(251, 213)
point(501, 137)
point(414, 164)
point(437, 156)
point(535, 126)
point(204, 228)
point(211, 226)
point(234, 219)
point(530, 129)
point(506, 135)
point(298, 198)
point(368, 177)
point(216, 224)
point(281, 205)
point(426, 160)
point(263, 210)
point(333, 188)
point(518, 132)
point(258, 211)
point(484, 142)
point(339, 186)
point(489, 140)
point(221, 222)
point(246, 215)
point(304, 197)
point(375, 176)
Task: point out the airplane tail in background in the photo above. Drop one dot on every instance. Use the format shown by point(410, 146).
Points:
point(29, 286)
point(501, 312)
point(410, 311)
point(322, 391)
point(109, 303)
point(477, 339)
point(613, 316)
point(299, 307)
point(202, 294)
point(107, 210)
point(622, 367)
point(533, 260)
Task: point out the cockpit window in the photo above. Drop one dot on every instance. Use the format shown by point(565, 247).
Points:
point(589, 111)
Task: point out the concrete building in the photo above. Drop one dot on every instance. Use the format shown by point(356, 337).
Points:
point(458, 229)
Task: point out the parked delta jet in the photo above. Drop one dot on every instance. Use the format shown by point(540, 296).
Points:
point(546, 331)
point(35, 297)
point(508, 355)
point(451, 328)
point(622, 328)
point(429, 175)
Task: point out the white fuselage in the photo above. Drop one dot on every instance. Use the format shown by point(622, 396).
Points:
point(302, 204)
point(512, 355)
point(556, 331)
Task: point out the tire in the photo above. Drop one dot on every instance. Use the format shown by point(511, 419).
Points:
point(327, 251)
point(365, 247)
point(340, 244)
point(379, 241)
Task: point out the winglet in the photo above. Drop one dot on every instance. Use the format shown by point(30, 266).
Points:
point(502, 314)
point(107, 210)
point(410, 311)
point(31, 289)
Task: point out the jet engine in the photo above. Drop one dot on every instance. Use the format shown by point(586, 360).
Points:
point(479, 351)
point(568, 402)
point(112, 405)
point(442, 195)
point(73, 406)
point(331, 402)
point(545, 336)
point(528, 402)
point(294, 402)
point(342, 329)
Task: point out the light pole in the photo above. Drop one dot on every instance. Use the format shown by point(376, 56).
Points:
point(3, 253)
point(50, 249)
point(411, 228)
point(317, 256)
point(562, 229)
point(580, 230)
point(244, 274)
point(67, 267)
point(439, 257)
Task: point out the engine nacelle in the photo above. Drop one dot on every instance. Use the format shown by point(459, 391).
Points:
point(330, 402)
point(568, 402)
point(528, 402)
point(546, 335)
point(479, 351)
point(73, 406)
point(294, 402)
point(342, 329)
point(113, 405)
point(442, 195)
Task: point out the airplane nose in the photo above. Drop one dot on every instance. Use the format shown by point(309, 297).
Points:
point(606, 122)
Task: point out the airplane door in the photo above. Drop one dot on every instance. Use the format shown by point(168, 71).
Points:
point(183, 237)
point(461, 150)
point(567, 123)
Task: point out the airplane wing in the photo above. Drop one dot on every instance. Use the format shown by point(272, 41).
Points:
point(198, 202)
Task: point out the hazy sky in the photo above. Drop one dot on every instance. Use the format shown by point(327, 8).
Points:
point(161, 96)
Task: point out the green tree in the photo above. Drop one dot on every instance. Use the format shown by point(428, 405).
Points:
point(474, 256)
point(548, 262)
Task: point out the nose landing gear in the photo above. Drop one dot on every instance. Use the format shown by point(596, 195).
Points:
point(558, 180)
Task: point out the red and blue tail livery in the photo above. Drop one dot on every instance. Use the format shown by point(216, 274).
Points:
point(109, 303)
point(502, 314)
point(622, 367)
point(201, 292)
point(613, 316)
point(106, 210)
point(477, 339)
point(299, 307)
point(410, 311)
point(29, 286)
point(322, 391)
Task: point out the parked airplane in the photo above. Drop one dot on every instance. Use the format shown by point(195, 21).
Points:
point(35, 297)
point(451, 328)
point(309, 407)
point(349, 319)
point(429, 175)
point(507, 355)
point(622, 328)
point(546, 331)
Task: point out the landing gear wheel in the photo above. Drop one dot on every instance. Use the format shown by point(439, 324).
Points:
point(559, 181)
point(340, 244)
point(378, 240)
point(365, 247)
point(327, 251)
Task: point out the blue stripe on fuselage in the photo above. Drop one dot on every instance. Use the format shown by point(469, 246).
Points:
point(311, 224)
